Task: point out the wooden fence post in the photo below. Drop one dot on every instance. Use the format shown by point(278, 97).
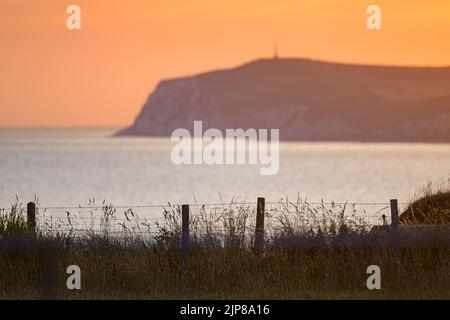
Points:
point(31, 217)
point(394, 221)
point(259, 231)
point(184, 236)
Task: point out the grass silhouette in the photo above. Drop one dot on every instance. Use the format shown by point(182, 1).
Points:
point(321, 255)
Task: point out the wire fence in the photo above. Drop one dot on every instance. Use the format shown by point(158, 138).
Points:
point(208, 218)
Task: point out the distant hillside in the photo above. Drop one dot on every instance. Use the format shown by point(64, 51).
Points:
point(308, 101)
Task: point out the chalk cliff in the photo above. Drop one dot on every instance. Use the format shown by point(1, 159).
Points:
point(307, 100)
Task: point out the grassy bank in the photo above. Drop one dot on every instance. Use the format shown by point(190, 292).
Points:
point(324, 255)
point(431, 205)
point(113, 270)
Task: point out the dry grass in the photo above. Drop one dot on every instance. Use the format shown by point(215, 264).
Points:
point(321, 256)
point(421, 272)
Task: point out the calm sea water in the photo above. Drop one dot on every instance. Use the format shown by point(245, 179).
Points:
point(66, 167)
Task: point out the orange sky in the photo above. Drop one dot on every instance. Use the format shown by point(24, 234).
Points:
point(102, 74)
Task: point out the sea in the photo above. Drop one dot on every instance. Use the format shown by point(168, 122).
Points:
point(77, 167)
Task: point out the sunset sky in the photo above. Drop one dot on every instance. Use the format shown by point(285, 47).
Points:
point(102, 74)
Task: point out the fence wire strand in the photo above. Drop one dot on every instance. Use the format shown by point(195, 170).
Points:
point(98, 219)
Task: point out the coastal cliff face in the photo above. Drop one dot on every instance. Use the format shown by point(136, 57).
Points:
point(308, 101)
